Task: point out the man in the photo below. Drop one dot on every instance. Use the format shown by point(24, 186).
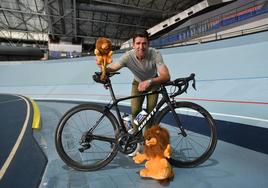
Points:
point(148, 68)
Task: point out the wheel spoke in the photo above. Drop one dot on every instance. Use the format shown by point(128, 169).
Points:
point(79, 148)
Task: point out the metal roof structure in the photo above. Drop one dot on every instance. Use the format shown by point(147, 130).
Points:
point(34, 22)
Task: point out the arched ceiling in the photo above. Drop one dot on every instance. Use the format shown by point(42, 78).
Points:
point(82, 21)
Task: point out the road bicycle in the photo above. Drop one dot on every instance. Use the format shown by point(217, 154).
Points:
point(90, 135)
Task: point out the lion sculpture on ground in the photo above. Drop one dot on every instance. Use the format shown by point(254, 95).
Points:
point(103, 52)
point(156, 151)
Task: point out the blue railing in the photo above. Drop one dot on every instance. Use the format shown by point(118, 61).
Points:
point(212, 24)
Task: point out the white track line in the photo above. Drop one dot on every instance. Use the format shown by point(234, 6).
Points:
point(15, 147)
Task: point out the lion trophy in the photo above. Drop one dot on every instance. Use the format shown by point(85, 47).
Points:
point(103, 52)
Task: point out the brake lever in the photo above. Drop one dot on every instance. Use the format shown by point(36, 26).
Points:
point(193, 78)
point(193, 84)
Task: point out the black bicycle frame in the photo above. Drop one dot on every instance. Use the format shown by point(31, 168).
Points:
point(165, 99)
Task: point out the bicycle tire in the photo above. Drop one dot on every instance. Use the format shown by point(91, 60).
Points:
point(76, 122)
point(201, 139)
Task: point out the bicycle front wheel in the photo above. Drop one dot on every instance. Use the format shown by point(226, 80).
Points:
point(85, 137)
point(201, 136)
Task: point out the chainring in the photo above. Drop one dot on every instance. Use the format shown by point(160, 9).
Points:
point(123, 143)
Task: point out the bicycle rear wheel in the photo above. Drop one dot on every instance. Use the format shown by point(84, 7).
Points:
point(85, 137)
point(201, 138)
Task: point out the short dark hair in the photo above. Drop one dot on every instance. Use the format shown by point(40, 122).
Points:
point(141, 33)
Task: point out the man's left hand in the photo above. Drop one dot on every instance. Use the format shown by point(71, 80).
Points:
point(143, 85)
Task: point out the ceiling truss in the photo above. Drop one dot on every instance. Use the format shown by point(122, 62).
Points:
point(82, 21)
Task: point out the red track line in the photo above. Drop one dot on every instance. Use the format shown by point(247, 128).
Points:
point(227, 101)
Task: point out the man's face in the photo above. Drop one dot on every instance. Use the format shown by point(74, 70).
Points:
point(140, 45)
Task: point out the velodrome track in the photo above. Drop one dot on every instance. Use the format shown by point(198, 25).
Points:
point(232, 81)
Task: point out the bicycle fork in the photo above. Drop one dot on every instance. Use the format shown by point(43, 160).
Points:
point(174, 114)
point(177, 120)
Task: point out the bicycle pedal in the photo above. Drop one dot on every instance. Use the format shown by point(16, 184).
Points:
point(81, 150)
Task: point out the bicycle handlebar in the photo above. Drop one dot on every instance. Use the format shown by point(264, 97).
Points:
point(181, 83)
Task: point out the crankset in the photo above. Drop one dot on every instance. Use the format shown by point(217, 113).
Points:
point(124, 145)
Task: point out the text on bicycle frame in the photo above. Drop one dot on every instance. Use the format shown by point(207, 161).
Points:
point(147, 119)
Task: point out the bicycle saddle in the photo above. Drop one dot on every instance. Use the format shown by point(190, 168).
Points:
point(97, 77)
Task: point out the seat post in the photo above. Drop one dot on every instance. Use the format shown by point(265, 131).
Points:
point(110, 87)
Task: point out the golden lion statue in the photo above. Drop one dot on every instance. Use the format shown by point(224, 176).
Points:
point(103, 52)
point(156, 151)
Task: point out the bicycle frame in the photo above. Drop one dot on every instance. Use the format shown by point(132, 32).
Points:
point(165, 100)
